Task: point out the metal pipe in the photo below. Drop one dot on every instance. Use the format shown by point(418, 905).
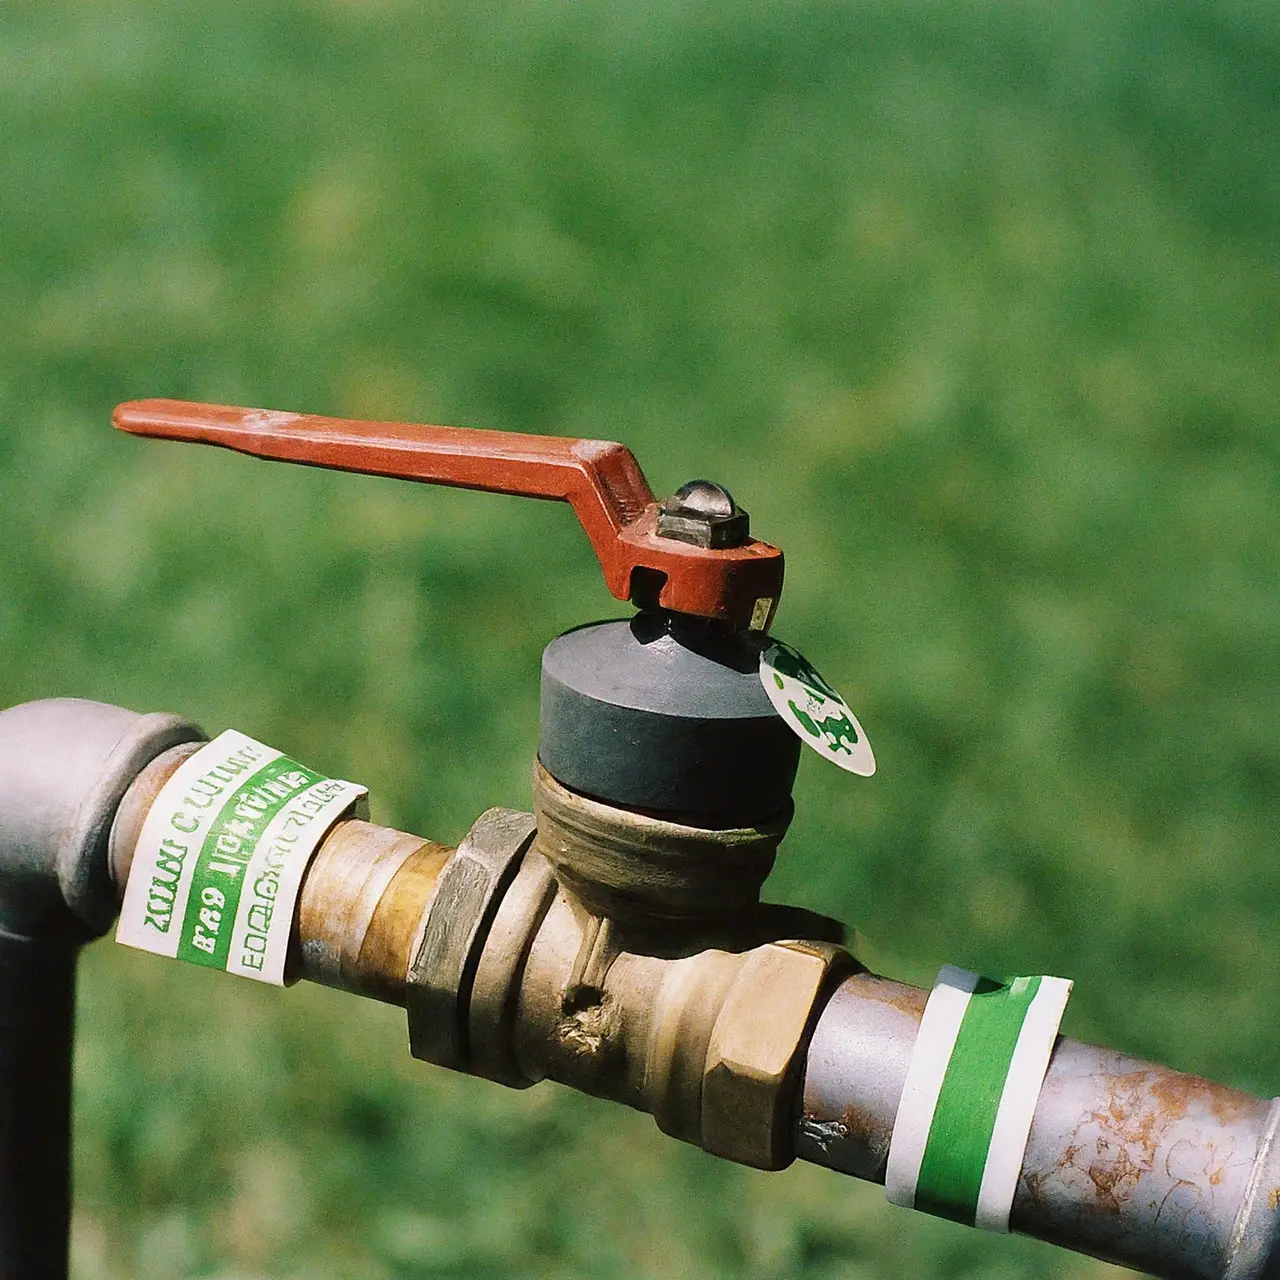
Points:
point(1126, 1160)
point(37, 1009)
point(64, 766)
point(359, 903)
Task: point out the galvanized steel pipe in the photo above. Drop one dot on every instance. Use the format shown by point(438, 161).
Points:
point(64, 766)
point(1128, 1161)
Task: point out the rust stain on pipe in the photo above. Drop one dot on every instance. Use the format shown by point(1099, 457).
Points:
point(857, 1066)
point(1137, 1163)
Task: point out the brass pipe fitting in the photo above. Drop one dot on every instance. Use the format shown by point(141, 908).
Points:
point(360, 903)
point(709, 1041)
point(633, 867)
point(628, 957)
point(360, 907)
point(620, 954)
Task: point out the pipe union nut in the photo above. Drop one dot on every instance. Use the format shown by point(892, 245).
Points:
point(753, 1058)
point(452, 934)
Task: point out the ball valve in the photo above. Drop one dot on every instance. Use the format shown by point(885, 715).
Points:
point(614, 940)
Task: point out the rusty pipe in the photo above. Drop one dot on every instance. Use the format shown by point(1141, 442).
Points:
point(1128, 1161)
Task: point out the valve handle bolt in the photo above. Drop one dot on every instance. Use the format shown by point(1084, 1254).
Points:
point(703, 514)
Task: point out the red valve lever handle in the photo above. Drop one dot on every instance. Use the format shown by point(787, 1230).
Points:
point(601, 481)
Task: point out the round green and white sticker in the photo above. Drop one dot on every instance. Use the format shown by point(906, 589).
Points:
point(817, 714)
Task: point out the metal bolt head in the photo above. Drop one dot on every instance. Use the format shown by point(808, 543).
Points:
point(703, 514)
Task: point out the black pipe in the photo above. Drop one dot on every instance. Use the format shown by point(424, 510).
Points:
point(37, 1009)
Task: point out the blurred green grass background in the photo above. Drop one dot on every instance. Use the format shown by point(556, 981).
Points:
point(972, 304)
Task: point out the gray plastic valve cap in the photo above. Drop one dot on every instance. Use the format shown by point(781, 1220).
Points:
point(665, 713)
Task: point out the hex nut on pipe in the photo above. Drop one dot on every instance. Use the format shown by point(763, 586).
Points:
point(496, 987)
point(756, 1050)
point(454, 927)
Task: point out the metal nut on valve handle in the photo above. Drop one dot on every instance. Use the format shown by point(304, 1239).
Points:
point(703, 514)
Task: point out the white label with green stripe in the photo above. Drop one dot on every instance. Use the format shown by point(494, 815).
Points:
point(220, 859)
point(970, 1094)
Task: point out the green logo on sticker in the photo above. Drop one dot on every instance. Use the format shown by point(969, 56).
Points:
point(226, 852)
point(790, 663)
point(817, 714)
point(837, 729)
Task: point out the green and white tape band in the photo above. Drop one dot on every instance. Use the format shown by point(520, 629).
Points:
point(220, 859)
point(971, 1091)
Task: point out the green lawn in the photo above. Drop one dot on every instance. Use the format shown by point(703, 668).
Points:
point(974, 307)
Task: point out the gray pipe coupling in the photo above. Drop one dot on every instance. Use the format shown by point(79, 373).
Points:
point(65, 764)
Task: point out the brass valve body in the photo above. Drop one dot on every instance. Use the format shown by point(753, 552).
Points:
point(709, 1041)
point(625, 959)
